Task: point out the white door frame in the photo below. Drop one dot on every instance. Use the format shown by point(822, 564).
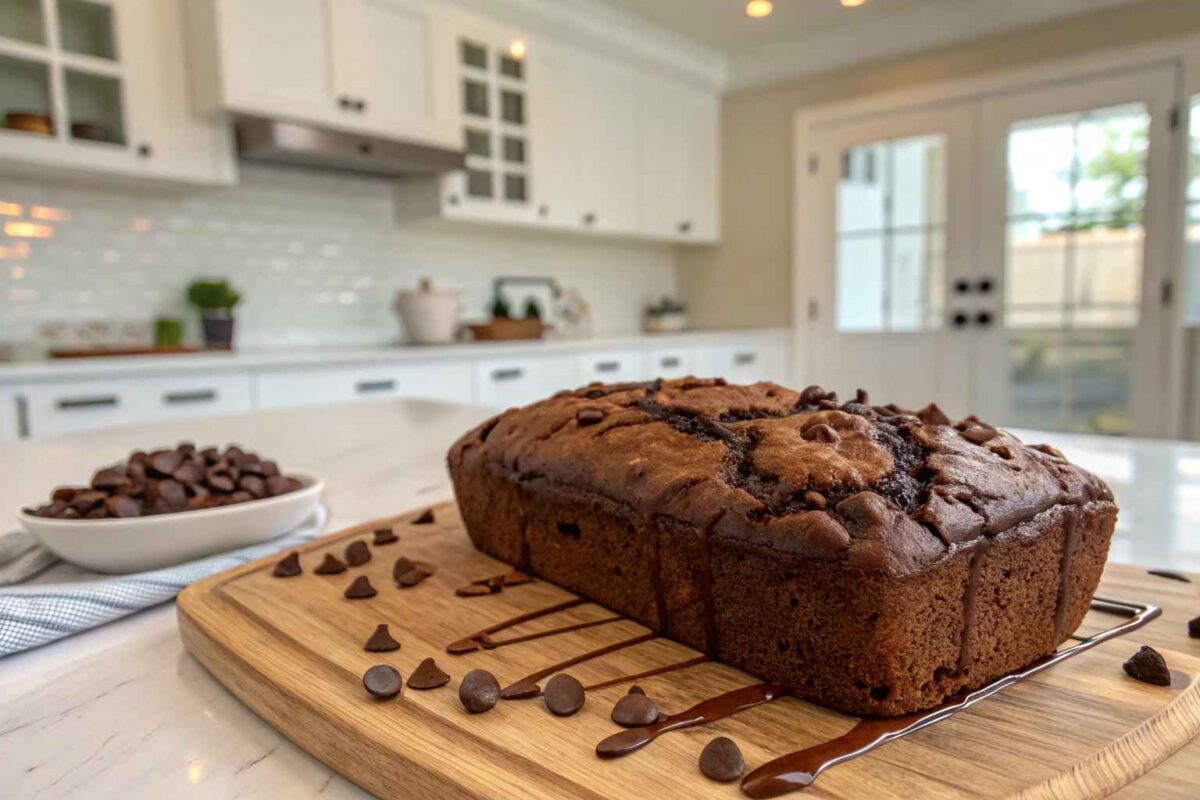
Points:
point(1181, 53)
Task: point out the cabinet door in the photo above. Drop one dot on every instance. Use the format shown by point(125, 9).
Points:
point(507, 382)
point(605, 133)
point(167, 138)
point(394, 64)
point(677, 130)
point(275, 57)
point(555, 91)
point(610, 366)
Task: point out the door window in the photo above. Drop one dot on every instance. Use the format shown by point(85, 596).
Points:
point(891, 235)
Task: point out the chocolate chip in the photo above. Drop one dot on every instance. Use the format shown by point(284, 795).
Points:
point(859, 409)
point(106, 480)
point(425, 518)
point(173, 494)
point(381, 641)
point(473, 590)
point(357, 553)
point(220, 480)
point(385, 536)
point(813, 395)
point(86, 499)
point(279, 484)
point(1166, 573)
point(1194, 627)
point(589, 415)
point(1049, 450)
point(479, 691)
point(814, 500)
point(820, 433)
point(721, 760)
point(288, 566)
point(861, 397)
point(634, 711)
point(164, 462)
point(1147, 665)
point(63, 493)
point(932, 415)
point(383, 681)
point(332, 565)
point(189, 472)
point(563, 695)
point(516, 578)
point(254, 485)
point(428, 675)
point(120, 505)
point(402, 566)
point(360, 589)
point(979, 434)
point(211, 455)
point(635, 689)
point(411, 578)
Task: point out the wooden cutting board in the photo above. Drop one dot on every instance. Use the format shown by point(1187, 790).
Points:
point(291, 649)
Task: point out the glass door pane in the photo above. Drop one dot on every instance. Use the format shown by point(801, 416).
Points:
point(1073, 265)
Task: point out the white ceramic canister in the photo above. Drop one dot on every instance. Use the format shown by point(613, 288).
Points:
point(429, 315)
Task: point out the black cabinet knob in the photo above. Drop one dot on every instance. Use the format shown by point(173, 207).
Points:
point(345, 102)
point(685, 226)
point(365, 148)
point(360, 106)
point(453, 200)
point(962, 286)
point(985, 285)
point(145, 150)
point(589, 218)
point(959, 319)
point(983, 319)
point(543, 210)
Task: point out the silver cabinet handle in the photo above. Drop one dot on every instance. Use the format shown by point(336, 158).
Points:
point(608, 366)
point(74, 403)
point(366, 387)
point(181, 398)
point(742, 359)
point(507, 374)
point(669, 362)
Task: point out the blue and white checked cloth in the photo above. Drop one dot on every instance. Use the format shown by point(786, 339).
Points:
point(31, 616)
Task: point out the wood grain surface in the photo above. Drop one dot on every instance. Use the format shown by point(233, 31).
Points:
point(291, 649)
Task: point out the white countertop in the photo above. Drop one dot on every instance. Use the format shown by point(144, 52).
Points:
point(123, 711)
point(74, 368)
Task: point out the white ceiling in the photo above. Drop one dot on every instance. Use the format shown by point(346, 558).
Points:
point(809, 36)
point(723, 24)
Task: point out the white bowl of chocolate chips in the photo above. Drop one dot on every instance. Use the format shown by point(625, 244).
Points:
point(172, 505)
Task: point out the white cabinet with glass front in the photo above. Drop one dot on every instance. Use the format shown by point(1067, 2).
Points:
point(376, 67)
point(101, 86)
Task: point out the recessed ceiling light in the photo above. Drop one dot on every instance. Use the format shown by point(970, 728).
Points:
point(759, 8)
point(853, 3)
point(517, 49)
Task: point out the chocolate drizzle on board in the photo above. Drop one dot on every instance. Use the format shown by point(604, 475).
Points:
point(799, 769)
point(528, 686)
point(704, 712)
point(476, 641)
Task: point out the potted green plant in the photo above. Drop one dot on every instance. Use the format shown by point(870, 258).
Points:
point(215, 300)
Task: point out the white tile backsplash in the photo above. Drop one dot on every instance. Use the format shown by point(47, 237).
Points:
point(317, 257)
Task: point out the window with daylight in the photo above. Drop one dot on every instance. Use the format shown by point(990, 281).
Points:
point(1076, 185)
point(891, 235)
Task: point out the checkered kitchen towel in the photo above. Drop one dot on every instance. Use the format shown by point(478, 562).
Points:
point(33, 615)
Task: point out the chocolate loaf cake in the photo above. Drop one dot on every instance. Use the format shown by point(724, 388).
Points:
point(872, 559)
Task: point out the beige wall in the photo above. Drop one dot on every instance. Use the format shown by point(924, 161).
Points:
point(746, 280)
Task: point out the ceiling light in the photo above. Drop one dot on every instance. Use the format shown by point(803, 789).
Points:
point(517, 49)
point(759, 8)
point(853, 3)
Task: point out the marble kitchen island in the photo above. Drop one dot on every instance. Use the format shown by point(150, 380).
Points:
point(124, 711)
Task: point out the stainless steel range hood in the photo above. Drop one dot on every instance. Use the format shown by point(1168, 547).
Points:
point(322, 148)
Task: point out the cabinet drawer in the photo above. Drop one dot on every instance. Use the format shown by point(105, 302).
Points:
point(668, 363)
point(356, 384)
point(53, 408)
point(754, 361)
point(504, 383)
point(611, 366)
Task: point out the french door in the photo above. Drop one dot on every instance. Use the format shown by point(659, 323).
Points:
point(1003, 254)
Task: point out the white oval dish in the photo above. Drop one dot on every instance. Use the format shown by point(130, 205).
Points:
point(136, 544)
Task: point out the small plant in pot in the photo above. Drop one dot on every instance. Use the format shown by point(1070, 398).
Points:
point(216, 300)
point(668, 314)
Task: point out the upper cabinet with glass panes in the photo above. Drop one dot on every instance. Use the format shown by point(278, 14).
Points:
point(101, 85)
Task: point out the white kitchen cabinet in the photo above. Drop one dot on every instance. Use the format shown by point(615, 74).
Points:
point(678, 140)
point(668, 362)
point(10, 426)
point(113, 78)
point(507, 382)
point(64, 407)
point(610, 366)
point(324, 386)
point(379, 67)
point(753, 360)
